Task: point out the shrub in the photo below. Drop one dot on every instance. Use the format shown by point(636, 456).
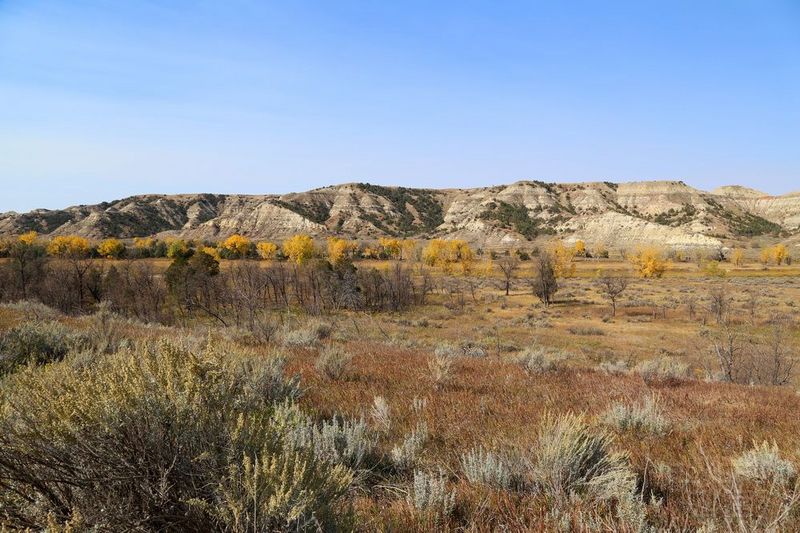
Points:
point(473, 350)
point(764, 463)
point(539, 360)
point(160, 439)
point(446, 349)
point(492, 469)
point(571, 460)
point(662, 370)
point(643, 417)
point(32, 310)
point(381, 414)
point(585, 330)
point(620, 366)
point(406, 454)
point(338, 440)
point(333, 362)
point(429, 495)
point(440, 368)
point(308, 335)
point(35, 343)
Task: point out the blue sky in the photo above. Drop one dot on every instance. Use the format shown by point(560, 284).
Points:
point(104, 99)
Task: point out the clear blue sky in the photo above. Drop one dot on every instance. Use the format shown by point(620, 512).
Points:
point(105, 99)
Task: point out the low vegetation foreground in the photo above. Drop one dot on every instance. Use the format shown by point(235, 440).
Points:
point(177, 385)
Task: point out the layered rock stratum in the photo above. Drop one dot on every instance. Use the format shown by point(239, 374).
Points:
point(668, 213)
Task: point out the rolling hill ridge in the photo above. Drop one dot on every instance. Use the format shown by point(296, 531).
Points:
point(669, 213)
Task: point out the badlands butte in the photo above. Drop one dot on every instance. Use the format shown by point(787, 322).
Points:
point(666, 213)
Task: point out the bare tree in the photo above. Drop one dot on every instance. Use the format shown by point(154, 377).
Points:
point(691, 305)
point(508, 265)
point(612, 288)
point(728, 348)
point(776, 361)
point(544, 281)
point(719, 303)
point(751, 304)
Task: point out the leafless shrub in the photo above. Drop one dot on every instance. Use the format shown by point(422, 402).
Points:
point(612, 288)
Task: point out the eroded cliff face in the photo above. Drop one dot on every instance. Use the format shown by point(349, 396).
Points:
point(669, 213)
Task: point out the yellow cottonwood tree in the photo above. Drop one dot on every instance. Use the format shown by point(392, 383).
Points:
point(111, 248)
point(563, 260)
point(69, 246)
point(737, 257)
point(765, 256)
point(649, 262)
point(340, 249)
point(234, 247)
point(28, 238)
point(391, 247)
point(446, 254)
point(266, 250)
point(580, 248)
point(780, 254)
point(299, 249)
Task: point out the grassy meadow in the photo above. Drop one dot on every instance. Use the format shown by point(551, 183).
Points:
point(472, 411)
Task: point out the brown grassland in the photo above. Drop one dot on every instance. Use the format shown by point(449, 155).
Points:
point(685, 475)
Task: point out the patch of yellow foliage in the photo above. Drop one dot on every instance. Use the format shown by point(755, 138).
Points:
point(236, 245)
point(299, 249)
point(111, 248)
point(266, 250)
point(649, 262)
point(69, 246)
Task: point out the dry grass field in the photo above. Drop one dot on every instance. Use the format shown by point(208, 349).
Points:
point(576, 420)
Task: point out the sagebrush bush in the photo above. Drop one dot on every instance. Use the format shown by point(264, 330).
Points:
point(620, 366)
point(32, 310)
point(36, 343)
point(539, 360)
point(429, 495)
point(333, 362)
point(440, 369)
point(446, 349)
point(308, 335)
point(470, 349)
point(338, 441)
point(493, 469)
point(160, 438)
point(764, 463)
point(381, 414)
point(642, 417)
point(406, 454)
point(570, 459)
point(663, 370)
